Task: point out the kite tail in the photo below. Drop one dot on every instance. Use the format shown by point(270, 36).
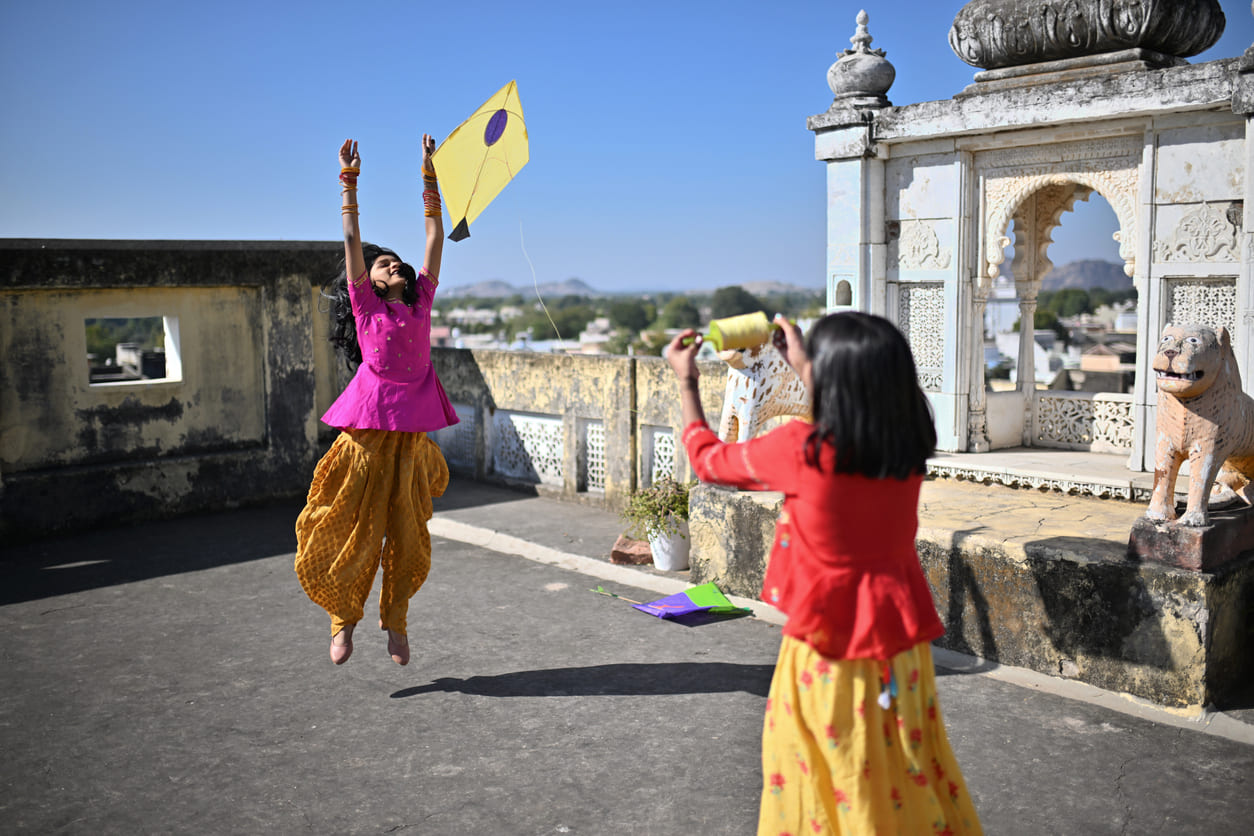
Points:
point(535, 283)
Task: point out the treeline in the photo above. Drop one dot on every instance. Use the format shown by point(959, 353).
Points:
point(103, 335)
point(1073, 301)
point(1052, 306)
point(640, 321)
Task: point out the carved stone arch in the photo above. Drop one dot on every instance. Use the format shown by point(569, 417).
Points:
point(1006, 192)
point(1035, 219)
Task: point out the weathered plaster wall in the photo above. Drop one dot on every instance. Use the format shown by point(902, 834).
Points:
point(237, 427)
point(1174, 637)
point(732, 533)
point(657, 405)
point(630, 396)
point(241, 422)
point(1145, 630)
point(52, 416)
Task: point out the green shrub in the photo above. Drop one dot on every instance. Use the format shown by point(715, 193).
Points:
point(658, 509)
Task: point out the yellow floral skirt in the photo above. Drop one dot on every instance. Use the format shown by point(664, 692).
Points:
point(368, 506)
point(858, 746)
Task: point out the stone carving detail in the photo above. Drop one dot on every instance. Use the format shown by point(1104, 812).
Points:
point(1205, 417)
point(1010, 33)
point(1006, 188)
point(921, 317)
point(530, 448)
point(1211, 302)
point(1204, 234)
point(1101, 423)
point(457, 442)
point(1037, 226)
point(1113, 424)
point(1115, 151)
point(995, 476)
point(592, 456)
point(918, 248)
point(760, 386)
point(662, 462)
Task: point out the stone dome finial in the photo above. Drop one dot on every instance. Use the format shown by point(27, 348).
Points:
point(996, 34)
point(861, 76)
point(861, 39)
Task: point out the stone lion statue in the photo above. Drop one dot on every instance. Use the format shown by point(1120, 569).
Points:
point(1204, 416)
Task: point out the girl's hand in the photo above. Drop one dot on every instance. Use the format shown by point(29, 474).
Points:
point(348, 155)
point(428, 148)
point(794, 347)
point(683, 358)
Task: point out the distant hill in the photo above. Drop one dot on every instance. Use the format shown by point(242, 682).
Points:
point(1087, 274)
point(497, 289)
point(766, 288)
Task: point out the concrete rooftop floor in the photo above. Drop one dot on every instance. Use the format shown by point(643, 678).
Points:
point(172, 677)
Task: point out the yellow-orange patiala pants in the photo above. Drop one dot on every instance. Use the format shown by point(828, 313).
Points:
point(368, 507)
point(839, 755)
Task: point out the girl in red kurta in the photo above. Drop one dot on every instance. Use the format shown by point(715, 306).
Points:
point(853, 740)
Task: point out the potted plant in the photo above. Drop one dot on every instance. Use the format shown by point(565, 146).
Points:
point(660, 513)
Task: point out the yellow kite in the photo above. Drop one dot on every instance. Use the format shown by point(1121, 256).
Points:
point(480, 156)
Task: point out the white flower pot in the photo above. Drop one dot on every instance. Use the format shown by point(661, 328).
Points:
point(670, 552)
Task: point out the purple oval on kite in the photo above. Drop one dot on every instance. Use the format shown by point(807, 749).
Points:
point(496, 127)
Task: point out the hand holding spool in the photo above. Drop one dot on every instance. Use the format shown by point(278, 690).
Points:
point(744, 331)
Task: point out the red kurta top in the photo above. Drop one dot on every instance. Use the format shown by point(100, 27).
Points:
point(843, 568)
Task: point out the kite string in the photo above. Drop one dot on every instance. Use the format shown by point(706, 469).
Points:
point(536, 283)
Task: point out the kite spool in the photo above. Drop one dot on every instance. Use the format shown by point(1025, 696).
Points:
point(744, 331)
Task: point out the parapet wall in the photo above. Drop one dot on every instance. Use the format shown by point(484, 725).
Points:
point(231, 424)
point(249, 372)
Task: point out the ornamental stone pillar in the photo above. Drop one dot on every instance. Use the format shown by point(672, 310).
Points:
point(856, 235)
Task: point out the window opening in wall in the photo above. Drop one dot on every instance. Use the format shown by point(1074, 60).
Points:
point(139, 349)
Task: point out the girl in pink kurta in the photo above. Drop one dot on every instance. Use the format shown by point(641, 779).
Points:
point(371, 494)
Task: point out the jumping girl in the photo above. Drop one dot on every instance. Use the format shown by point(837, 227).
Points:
point(370, 498)
point(852, 740)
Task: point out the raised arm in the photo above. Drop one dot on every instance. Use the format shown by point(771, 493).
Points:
point(350, 167)
point(434, 214)
point(683, 361)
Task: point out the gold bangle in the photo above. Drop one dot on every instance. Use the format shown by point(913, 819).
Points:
point(351, 169)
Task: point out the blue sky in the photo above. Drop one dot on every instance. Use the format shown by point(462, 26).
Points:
point(668, 139)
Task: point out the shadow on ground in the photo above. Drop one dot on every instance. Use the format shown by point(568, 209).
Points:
point(637, 680)
point(125, 554)
point(463, 492)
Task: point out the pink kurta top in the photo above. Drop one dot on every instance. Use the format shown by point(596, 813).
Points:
point(395, 387)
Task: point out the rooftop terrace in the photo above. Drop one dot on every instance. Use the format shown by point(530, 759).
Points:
point(171, 676)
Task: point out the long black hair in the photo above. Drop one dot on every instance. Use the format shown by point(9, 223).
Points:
point(867, 402)
point(343, 326)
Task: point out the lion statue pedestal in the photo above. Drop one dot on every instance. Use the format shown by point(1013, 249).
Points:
point(1206, 418)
